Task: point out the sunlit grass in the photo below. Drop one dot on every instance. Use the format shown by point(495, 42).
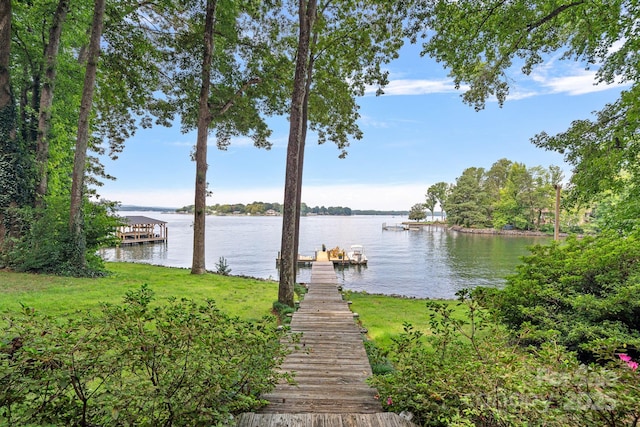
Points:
point(248, 299)
point(384, 316)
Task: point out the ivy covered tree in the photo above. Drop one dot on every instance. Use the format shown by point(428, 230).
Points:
point(50, 57)
point(16, 160)
point(9, 148)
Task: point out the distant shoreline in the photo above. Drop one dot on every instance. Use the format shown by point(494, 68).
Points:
point(240, 208)
point(488, 231)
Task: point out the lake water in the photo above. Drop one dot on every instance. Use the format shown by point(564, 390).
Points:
point(432, 262)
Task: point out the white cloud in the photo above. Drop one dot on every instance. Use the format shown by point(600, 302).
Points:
point(418, 87)
point(551, 77)
point(580, 83)
point(517, 93)
point(556, 78)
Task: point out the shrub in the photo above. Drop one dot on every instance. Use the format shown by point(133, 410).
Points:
point(45, 245)
point(178, 364)
point(283, 311)
point(584, 294)
point(380, 363)
point(222, 267)
point(466, 373)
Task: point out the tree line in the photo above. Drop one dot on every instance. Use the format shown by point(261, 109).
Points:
point(508, 194)
point(261, 208)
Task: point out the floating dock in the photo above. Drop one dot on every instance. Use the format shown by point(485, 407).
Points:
point(394, 227)
point(336, 255)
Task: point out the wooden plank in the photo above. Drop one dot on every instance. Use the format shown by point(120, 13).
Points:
point(386, 419)
point(329, 364)
point(330, 367)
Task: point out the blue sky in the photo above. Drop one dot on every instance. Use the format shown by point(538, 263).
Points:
point(415, 135)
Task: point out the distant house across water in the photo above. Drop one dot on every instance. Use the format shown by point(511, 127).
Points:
point(142, 229)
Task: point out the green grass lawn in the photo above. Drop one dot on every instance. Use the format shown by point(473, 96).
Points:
point(249, 299)
point(246, 298)
point(384, 316)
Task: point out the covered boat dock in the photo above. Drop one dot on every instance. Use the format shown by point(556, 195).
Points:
point(142, 229)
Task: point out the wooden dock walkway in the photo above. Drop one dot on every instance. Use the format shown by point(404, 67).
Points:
point(330, 366)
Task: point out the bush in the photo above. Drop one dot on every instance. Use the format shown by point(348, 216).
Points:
point(178, 364)
point(378, 359)
point(283, 311)
point(584, 294)
point(45, 244)
point(466, 373)
point(222, 267)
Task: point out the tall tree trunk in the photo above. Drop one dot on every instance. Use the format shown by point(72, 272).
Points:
point(7, 110)
point(303, 140)
point(46, 99)
point(204, 120)
point(295, 151)
point(76, 220)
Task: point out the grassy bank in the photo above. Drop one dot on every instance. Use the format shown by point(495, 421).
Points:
point(384, 316)
point(249, 299)
point(246, 298)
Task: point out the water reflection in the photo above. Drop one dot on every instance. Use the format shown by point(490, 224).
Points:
point(432, 262)
point(484, 260)
point(146, 253)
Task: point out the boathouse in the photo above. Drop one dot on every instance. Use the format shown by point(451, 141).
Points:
point(142, 229)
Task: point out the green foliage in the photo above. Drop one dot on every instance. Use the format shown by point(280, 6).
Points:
point(299, 290)
point(585, 294)
point(438, 193)
point(483, 43)
point(602, 151)
point(471, 374)
point(177, 364)
point(222, 267)
point(507, 194)
point(619, 210)
point(16, 165)
point(468, 204)
point(331, 210)
point(45, 244)
point(380, 363)
point(417, 212)
point(283, 311)
point(261, 208)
